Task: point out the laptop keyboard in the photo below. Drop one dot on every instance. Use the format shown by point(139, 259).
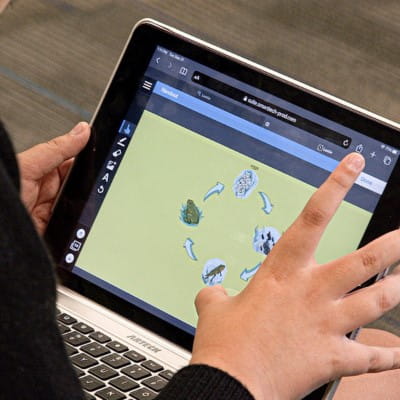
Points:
point(106, 368)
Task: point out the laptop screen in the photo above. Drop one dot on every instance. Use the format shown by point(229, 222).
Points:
point(204, 176)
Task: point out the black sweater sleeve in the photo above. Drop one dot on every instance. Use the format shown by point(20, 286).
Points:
point(197, 382)
point(7, 158)
point(33, 362)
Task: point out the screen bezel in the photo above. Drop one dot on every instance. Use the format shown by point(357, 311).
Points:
point(126, 81)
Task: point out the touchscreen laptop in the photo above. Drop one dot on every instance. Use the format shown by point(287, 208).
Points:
point(199, 161)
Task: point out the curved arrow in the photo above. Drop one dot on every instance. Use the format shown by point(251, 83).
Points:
point(217, 189)
point(188, 247)
point(248, 273)
point(267, 203)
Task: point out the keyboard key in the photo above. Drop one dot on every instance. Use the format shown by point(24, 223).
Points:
point(136, 372)
point(75, 338)
point(155, 382)
point(152, 366)
point(167, 374)
point(83, 328)
point(134, 356)
point(117, 346)
point(83, 360)
point(95, 349)
point(143, 394)
point(78, 371)
point(88, 396)
point(62, 328)
point(70, 350)
point(66, 319)
point(103, 372)
point(100, 337)
point(91, 383)
point(123, 383)
point(115, 360)
point(110, 394)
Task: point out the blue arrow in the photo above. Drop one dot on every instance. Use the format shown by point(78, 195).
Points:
point(218, 188)
point(267, 203)
point(248, 273)
point(188, 247)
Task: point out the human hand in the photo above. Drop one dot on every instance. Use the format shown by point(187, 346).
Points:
point(43, 169)
point(284, 334)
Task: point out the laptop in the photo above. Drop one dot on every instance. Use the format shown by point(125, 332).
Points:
point(199, 160)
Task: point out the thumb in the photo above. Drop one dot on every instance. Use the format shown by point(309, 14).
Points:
point(45, 157)
point(209, 295)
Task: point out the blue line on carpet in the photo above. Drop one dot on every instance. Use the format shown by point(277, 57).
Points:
point(28, 84)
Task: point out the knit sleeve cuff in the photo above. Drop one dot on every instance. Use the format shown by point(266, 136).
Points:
point(206, 383)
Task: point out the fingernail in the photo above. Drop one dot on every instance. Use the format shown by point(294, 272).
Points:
point(355, 162)
point(79, 128)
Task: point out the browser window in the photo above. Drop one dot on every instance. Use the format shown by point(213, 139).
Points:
point(204, 177)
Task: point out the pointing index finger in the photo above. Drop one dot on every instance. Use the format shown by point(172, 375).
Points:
point(321, 207)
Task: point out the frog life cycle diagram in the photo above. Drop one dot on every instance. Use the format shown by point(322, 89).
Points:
point(261, 240)
point(185, 212)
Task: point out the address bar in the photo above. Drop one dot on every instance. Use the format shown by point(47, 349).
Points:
point(260, 133)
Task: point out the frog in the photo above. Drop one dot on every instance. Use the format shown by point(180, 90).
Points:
point(191, 214)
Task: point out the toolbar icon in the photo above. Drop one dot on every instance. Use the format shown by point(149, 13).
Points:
point(111, 165)
point(147, 85)
point(117, 153)
point(80, 233)
point(387, 160)
point(69, 258)
point(121, 142)
point(106, 177)
point(183, 71)
point(359, 148)
point(75, 245)
point(126, 128)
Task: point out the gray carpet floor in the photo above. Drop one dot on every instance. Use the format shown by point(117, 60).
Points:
point(56, 55)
